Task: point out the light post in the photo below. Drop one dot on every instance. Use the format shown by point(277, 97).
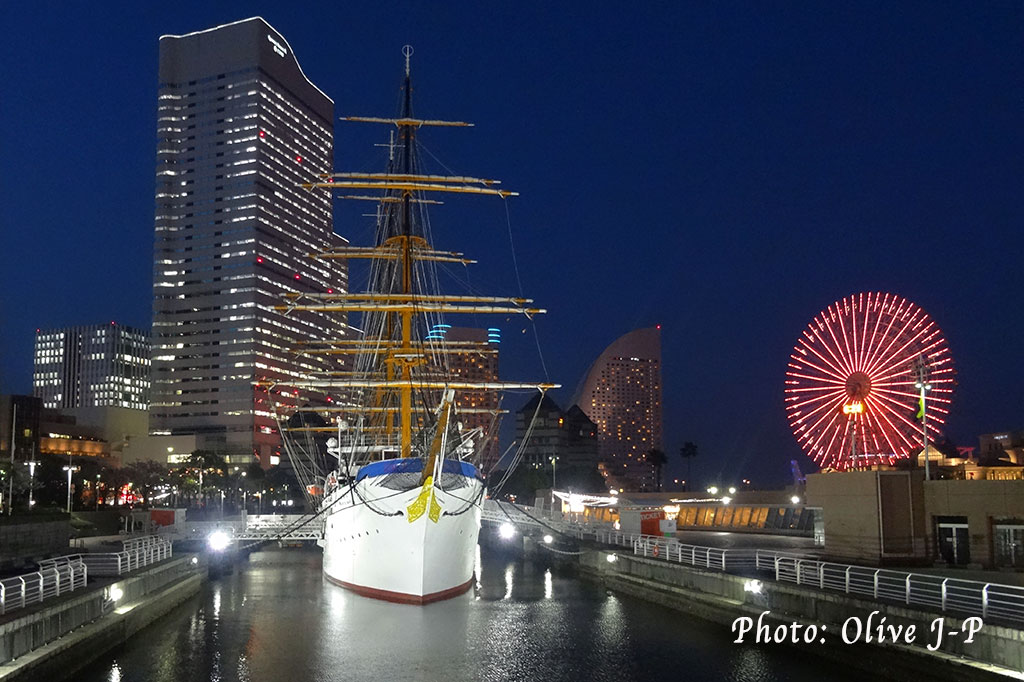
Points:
point(97, 492)
point(31, 481)
point(10, 473)
point(923, 372)
point(70, 469)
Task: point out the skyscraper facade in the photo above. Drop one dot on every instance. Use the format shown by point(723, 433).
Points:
point(104, 365)
point(621, 393)
point(239, 128)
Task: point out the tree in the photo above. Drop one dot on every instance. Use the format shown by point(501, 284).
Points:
point(201, 472)
point(688, 452)
point(657, 459)
point(146, 475)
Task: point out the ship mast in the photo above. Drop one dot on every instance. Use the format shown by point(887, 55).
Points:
point(404, 246)
point(406, 350)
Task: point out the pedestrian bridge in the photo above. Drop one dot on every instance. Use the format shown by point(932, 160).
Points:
point(298, 527)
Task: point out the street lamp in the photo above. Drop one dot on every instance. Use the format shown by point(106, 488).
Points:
point(922, 371)
point(70, 470)
point(31, 481)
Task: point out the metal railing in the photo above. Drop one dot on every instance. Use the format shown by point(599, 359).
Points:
point(51, 580)
point(136, 553)
point(282, 527)
point(938, 593)
point(671, 550)
point(932, 592)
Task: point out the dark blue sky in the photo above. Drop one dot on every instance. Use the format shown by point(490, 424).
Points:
point(725, 170)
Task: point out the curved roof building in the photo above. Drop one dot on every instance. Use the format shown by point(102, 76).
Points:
point(621, 393)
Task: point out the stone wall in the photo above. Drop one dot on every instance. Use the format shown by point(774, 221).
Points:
point(20, 543)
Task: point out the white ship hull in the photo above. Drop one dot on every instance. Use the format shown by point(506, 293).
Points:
point(372, 548)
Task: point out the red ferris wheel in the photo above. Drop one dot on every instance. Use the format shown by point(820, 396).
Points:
point(855, 380)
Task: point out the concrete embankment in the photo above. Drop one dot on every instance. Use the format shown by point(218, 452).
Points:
point(995, 653)
point(55, 639)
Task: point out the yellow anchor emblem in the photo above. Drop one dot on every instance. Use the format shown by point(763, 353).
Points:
point(426, 497)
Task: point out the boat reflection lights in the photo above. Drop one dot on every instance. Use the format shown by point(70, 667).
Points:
point(726, 500)
point(218, 540)
point(548, 539)
point(506, 531)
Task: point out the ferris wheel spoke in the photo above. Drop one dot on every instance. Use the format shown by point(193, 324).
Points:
point(879, 428)
point(900, 355)
point(827, 369)
point(837, 455)
point(884, 412)
point(892, 392)
point(854, 310)
point(837, 396)
point(845, 336)
point(872, 311)
point(897, 412)
point(841, 365)
point(835, 406)
point(829, 377)
point(875, 344)
point(810, 389)
point(882, 353)
point(865, 350)
point(913, 396)
point(836, 370)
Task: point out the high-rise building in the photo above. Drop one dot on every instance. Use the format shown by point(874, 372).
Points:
point(104, 365)
point(477, 362)
point(239, 128)
point(621, 393)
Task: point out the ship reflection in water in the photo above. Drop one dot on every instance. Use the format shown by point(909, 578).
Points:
point(276, 619)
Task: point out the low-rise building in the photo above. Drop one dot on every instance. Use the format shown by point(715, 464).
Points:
point(966, 514)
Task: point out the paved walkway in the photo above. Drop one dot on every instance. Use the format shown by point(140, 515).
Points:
point(731, 540)
point(1015, 578)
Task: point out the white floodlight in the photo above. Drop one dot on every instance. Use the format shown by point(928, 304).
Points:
point(218, 540)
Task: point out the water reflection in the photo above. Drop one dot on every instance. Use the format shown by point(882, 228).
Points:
point(275, 618)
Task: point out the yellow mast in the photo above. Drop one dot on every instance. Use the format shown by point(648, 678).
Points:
point(401, 187)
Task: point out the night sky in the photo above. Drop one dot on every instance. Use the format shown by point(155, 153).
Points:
point(724, 170)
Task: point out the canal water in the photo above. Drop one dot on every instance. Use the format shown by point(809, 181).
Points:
point(276, 619)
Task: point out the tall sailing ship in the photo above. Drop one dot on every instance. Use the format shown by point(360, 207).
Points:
point(380, 445)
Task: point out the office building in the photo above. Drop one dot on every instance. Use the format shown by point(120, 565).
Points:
point(239, 128)
point(97, 366)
